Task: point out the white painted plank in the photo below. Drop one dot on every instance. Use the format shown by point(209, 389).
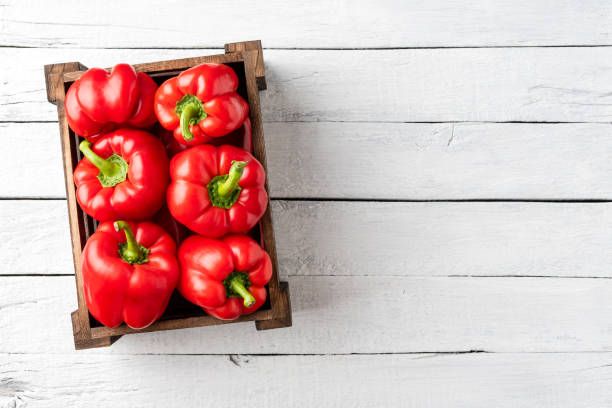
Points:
point(408, 161)
point(23, 94)
point(35, 235)
point(422, 380)
point(40, 144)
point(350, 314)
point(318, 23)
point(424, 85)
point(374, 239)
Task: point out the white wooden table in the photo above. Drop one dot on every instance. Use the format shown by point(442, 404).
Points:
point(441, 175)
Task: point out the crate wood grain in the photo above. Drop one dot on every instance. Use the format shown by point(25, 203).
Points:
point(88, 333)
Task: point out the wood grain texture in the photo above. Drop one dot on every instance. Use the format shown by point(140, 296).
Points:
point(313, 24)
point(421, 161)
point(366, 277)
point(422, 380)
point(256, 56)
point(358, 314)
point(426, 85)
point(375, 239)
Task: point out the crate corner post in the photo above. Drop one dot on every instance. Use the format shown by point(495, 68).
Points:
point(281, 321)
point(82, 335)
point(54, 80)
point(255, 45)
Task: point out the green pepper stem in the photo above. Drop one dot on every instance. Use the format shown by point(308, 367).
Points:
point(238, 287)
point(189, 112)
point(108, 168)
point(131, 252)
point(228, 186)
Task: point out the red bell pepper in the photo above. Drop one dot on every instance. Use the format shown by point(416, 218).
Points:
point(241, 137)
point(124, 175)
point(201, 103)
point(217, 190)
point(225, 277)
point(129, 273)
point(99, 102)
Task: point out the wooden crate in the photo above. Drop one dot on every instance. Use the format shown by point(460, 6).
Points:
point(246, 58)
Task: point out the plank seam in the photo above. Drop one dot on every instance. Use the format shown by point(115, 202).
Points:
point(289, 354)
point(387, 200)
point(41, 275)
point(472, 122)
point(389, 48)
point(425, 354)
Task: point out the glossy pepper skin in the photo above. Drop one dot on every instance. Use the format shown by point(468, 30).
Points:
point(226, 277)
point(241, 137)
point(201, 103)
point(124, 175)
point(99, 102)
point(129, 273)
point(215, 191)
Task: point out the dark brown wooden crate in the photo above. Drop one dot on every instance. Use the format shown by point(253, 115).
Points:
point(247, 60)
